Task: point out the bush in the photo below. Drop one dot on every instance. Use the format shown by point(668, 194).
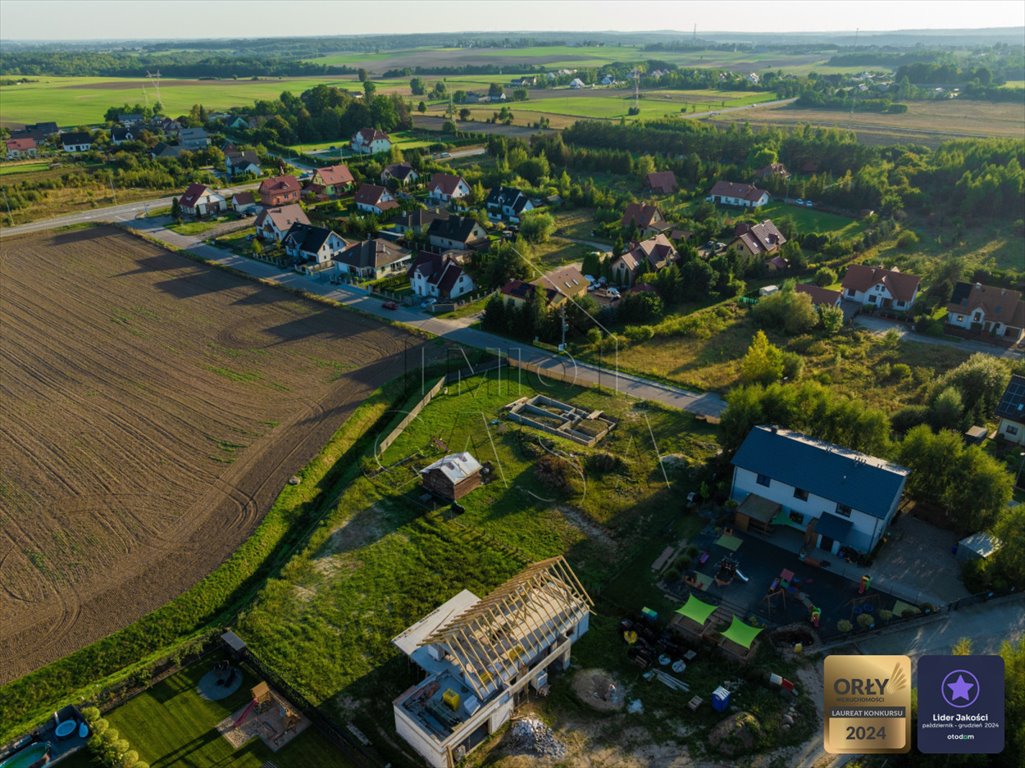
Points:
point(908, 417)
point(907, 240)
point(825, 276)
point(844, 626)
point(900, 371)
point(637, 333)
point(865, 620)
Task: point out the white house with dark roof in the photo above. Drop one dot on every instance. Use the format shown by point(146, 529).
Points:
point(835, 496)
point(447, 187)
point(370, 141)
point(507, 203)
point(1011, 411)
point(439, 276)
point(309, 245)
point(200, 200)
point(374, 258)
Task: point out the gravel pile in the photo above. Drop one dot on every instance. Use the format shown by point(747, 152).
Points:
point(533, 737)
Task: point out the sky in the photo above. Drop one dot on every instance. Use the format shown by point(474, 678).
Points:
point(193, 19)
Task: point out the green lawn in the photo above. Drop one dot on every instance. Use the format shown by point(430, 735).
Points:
point(172, 725)
point(812, 220)
point(401, 139)
point(199, 226)
point(382, 562)
point(10, 170)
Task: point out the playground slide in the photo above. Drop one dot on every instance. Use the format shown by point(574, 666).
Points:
point(245, 713)
point(741, 576)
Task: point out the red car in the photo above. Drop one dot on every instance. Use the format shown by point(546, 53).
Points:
point(390, 305)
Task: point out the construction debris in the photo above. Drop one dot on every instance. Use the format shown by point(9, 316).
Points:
point(532, 737)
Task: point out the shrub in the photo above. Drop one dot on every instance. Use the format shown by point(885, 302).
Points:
point(825, 276)
point(907, 240)
point(885, 616)
point(901, 371)
point(554, 472)
point(865, 620)
point(636, 333)
point(844, 626)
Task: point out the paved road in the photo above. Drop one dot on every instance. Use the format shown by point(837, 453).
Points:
point(455, 330)
point(879, 325)
point(759, 105)
point(109, 214)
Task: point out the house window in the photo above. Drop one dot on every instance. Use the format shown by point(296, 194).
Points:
point(764, 480)
point(843, 509)
point(800, 493)
point(850, 291)
point(960, 318)
point(796, 517)
point(1011, 430)
point(872, 299)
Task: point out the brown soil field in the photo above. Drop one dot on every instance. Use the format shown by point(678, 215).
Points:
point(151, 409)
point(925, 122)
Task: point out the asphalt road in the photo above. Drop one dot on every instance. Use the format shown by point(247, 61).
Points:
point(455, 330)
point(878, 325)
point(107, 215)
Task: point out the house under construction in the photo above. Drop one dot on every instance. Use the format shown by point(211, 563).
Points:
point(480, 654)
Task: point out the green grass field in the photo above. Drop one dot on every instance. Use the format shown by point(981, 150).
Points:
point(171, 725)
point(811, 220)
point(11, 170)
point(401, 139)
point(84, 100)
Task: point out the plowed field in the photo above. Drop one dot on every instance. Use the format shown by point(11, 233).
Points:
point(150, 411)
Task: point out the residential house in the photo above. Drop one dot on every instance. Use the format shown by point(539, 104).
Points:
point(239, 124)
point(773, 171)
point(419, 221)
point(576, 82)
point(471, 98)
point(878, 287)
point(309, 245)
point(446, 187)
point(274, 223)
point(373, 198)
point(243, 203)
point(650, 255)
point(452, 476)
point(370, 141)
point(478, 657)
point(439, 276)
point(241, 162)
point(758, 240)
point(166, 125)
point(193, 139)
point(403, 174)
point(38, 132)
point(1000, 312)
point(331, 181)
point(607, 80)
point(1011, 411)
point(507, 203)
point(742, 195)
point(18, 149)
point(199, 200)
point(647, 218)
point(662, 182)
point(567, 282)
point(456, 233)
point(120, 135)
point(280, 190)
point(374, 258)
point(834, 496)
point(76, 141)
point(131, 119)
point(164, 151)
point(518, 292)
point(820, 297)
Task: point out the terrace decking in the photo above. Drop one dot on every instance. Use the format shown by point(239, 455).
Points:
point(562, 419)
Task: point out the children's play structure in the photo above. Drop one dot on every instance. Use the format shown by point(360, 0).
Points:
point(270, 716)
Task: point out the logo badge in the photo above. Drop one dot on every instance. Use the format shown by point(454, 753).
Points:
point(867, 704)
point(960, 705)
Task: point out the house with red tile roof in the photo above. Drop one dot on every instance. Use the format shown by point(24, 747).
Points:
point(773, 170)
point(662, 182)
point(739, 195)
point(999, 312)
point(820, 297)
point(280, 190)
point(19, 148)
point(200, 200)
point(445, 187)
point(881, 288)
point(373, 198)
point(647, 218)
point(331, 181)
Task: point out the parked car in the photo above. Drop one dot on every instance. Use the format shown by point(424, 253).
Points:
point(808, 204)
point(798, 201)
point(390, 305)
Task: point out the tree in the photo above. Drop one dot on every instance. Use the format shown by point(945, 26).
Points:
point(1009, 559)
point(495, 318)
point(361, 74)
point(465, 114)
point(947, 411)
point(763, 362)
point(644, 165)
point(438, 91)
point(825, 276)
point(592, 264)
point(369, 89)
point(176, 209)
point(830, 318)
point(421, 107)
point(787, 310)
point(495, 91)
point(980, 380)
point(416, 86)
point(520, 94)
point(537, 226)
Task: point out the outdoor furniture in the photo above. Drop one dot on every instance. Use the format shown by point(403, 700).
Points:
point(689, 656)
point(694, 703)
point(678, 666)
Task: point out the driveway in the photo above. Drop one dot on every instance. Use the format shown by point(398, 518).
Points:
point(452, 329)
point(878, 325)
point(918, 559)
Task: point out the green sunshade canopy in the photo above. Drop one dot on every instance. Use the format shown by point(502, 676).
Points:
point(696, 610)
point(740, 633)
